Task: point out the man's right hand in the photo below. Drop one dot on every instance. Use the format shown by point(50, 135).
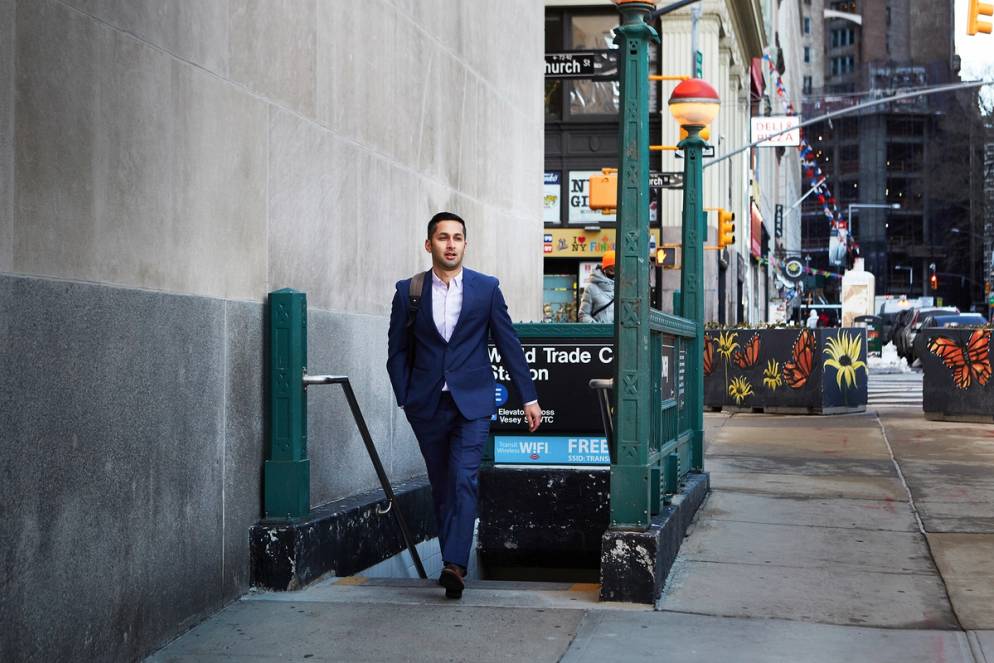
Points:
point(533, 414)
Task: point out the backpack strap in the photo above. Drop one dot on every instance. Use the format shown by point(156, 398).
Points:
point(594, 314)
point(413, 304)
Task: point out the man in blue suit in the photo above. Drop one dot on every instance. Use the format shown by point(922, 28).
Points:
point(446, 385)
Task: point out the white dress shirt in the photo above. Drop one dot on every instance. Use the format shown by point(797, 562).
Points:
point(446, 305)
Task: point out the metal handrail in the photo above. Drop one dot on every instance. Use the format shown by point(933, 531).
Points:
point(367, 439)
point(602, 386)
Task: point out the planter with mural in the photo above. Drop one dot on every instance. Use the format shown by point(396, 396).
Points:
point(788, 371)
point(957, 384)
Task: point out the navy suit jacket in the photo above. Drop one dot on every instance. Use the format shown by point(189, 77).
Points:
point(463, 361)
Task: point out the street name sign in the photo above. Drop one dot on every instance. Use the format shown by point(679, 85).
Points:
point(597, 64)
point(668, 180)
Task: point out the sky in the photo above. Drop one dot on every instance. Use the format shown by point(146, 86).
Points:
point(976, 52)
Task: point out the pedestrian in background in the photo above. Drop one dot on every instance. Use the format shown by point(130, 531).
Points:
point(441, 375)
point(813, 319)
point(597, 302)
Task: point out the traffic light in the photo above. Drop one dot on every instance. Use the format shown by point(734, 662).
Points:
point(975, 12)
point(666, 257)
point(726, 227)
point(604, 190)
point(933, 279)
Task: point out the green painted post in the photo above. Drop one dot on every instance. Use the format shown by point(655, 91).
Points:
point(672, 474)
point(286, 476)
point(692, 284)
point(631, 478)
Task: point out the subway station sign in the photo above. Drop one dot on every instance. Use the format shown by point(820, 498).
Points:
point(551, 450)
point(561, 371)
point(572, 432)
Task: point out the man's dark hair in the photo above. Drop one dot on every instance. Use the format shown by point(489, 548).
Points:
point(444, 216)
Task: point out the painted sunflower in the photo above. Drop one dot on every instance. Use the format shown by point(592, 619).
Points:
point(727, 343)
point(771, 376)
point(844, 351)
point(739, 388)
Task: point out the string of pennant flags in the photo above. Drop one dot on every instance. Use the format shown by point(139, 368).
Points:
point(808, 270)
point(811, 170)
point(817, 179)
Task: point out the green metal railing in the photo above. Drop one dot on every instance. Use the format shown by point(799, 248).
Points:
point(287, 470)
point(668, 453)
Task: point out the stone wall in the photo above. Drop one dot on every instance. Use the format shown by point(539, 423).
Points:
point(230, 148)
point(165, 165)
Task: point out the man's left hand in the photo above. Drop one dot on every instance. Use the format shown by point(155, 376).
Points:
point(533, 414)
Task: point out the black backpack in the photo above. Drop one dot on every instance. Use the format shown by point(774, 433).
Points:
point(413, 304)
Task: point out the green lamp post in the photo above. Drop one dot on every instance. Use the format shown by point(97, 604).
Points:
point(694, 104)
point(631, 476)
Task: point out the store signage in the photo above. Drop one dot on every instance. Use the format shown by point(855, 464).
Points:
point(756, 238)
point(553, 192)
point(778, 222)
point(765, 131)
point(551, 450)
point(793, 269)
point(579, 200)
point(586, 244)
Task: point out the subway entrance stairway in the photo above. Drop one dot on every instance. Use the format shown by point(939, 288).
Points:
point(866, 537)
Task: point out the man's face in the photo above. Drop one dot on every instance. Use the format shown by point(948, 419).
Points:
point(608, 272)
point(447, 245)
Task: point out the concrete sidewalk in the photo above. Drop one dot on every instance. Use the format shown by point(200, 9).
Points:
point(862, 538)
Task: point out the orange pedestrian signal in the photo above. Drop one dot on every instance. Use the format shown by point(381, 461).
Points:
point(726, 228)
point(604, 190)
point(976, 11)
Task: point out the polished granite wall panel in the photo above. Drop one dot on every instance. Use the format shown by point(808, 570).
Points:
point(113, 432)
point(7, 50)
point(244, 437)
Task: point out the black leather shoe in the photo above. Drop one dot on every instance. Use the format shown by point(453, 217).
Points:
point(452, 580)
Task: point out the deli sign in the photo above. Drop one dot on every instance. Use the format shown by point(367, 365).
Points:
point(766, 131)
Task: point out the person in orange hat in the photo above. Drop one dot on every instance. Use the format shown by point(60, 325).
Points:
point(597, 301)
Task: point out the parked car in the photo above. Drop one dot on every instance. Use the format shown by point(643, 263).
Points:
point(942, 320)
point(907, 326)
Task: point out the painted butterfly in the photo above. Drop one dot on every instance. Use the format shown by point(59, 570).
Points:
point(708, 355)
point(797, 371)
point(749, 354)
point(969, 363)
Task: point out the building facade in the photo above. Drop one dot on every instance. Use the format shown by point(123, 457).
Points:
point(912, 205)
point(164, 166)
point(581, 137)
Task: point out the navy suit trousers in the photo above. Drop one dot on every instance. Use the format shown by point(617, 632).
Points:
point(452, 447)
